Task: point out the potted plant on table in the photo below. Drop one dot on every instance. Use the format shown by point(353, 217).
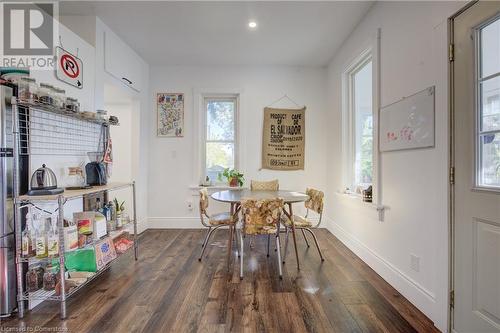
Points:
point(234, 177)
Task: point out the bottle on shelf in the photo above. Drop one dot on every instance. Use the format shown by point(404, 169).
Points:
point(26, 248)
point(53, 237)
point(41, 239)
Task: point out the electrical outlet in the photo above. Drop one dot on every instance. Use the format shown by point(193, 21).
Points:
point(189, 205)
point(415, 262)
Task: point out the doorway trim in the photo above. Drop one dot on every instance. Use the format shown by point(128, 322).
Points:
point(451, 163)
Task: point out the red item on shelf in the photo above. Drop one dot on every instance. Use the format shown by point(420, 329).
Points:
point(123, 244)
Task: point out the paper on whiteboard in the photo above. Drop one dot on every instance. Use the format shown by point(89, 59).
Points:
point(409, 123)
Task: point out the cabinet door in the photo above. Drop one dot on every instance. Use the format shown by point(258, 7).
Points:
point(121, 62)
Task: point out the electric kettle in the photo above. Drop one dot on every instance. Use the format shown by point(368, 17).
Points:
point(44, 182)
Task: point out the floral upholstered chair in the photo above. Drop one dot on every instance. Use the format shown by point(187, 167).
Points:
point(213, 222)
point(261, 217)
point(272, 185)
point(315, 204)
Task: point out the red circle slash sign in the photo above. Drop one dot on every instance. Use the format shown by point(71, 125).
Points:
point(69, 66)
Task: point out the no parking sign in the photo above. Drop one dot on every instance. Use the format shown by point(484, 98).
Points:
point(69, 68)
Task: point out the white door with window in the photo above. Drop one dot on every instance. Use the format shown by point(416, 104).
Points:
point(476, 155)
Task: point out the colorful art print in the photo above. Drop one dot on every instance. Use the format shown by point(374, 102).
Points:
point(170, 112)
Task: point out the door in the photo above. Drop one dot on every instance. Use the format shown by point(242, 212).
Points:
point(476, 159)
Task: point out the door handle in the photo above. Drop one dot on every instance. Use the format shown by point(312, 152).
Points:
point(125, 79)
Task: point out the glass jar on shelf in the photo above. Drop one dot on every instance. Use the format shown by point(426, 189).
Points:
point(27, 89)
point(59, 98)
point(72, 104)
point(50, 278)
point(46, 94)
point(34, 278)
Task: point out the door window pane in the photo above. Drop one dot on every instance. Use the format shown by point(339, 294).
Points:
point(363, 119)
point(490, 160)
point(220, 120)
point(490, 49)
point(488, 114)
point(490, 104)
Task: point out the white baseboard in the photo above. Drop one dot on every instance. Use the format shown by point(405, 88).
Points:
point(174, 223)
point(419, 296)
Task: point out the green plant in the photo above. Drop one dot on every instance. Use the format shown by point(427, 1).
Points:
point(231, 174)
point(119, 206)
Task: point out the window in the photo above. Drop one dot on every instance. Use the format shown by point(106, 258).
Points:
point(220, 144)
point(359, 113)
point(488, 106)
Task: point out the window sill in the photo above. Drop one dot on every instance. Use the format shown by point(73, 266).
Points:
point(357, 198)
point(217, 187)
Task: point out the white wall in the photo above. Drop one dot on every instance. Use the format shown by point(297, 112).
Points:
point(173, 161)
point(413, 183)
point(140, 112)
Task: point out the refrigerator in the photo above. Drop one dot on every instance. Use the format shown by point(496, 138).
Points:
point(7, 238)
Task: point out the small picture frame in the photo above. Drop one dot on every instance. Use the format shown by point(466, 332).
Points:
point(170, 114)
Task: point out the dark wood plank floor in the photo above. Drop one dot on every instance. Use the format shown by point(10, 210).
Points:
point(168, 290)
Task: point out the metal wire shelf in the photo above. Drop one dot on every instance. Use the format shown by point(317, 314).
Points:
point(49, 130)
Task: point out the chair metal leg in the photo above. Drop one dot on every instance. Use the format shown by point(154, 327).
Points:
point(316, 242)
point(206, 237)
point(286, 244)
point(268, 241)
point(229, 246)
point(236, 241)
point(209, 233)
point(241, 254)
point(278, 247)
point(304, 234)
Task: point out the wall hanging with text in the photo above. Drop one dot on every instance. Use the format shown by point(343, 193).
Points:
point(283, 142)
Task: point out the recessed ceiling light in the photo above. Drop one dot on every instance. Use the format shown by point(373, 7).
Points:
point(252, 24)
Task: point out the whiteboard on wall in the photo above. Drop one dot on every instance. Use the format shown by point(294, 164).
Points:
point(408, 123)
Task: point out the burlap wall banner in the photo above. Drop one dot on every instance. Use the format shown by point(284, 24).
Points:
point(283, 142)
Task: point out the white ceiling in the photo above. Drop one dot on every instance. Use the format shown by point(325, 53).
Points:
point(217, 33)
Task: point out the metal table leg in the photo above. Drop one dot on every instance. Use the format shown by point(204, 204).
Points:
point(294, 235)
point(136, 247)
point(60, 224)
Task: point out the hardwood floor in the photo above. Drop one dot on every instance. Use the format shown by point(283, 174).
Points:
point(168, 290)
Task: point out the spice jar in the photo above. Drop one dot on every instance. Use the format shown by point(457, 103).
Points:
point(34, 278)
point(50, 278)
point(72, 104)
point(59, 98)
point(46, 94)
point(28, 89)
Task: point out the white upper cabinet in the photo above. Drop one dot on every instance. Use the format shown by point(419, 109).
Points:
point(121, 62)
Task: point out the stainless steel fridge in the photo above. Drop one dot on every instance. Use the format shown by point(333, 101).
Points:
point(7, 240)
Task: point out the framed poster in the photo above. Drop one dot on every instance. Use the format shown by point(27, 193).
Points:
point(283, 142)
point(170, 114)
point(408, 123)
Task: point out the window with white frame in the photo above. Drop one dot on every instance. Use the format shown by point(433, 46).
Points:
point(220, 139)
point(358, 110)
point(488, 105)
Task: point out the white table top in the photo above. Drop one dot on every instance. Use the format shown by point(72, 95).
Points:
point(238, 196)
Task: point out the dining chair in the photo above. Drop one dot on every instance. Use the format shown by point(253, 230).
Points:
point(261, 217)
point(271, 185)
point(213, 222)
point(315, 204)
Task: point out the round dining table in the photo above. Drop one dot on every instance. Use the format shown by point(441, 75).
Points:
point(234, 197)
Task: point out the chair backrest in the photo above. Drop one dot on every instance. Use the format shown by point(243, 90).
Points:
point(203, 201)
point(272, 185)
point(315, 201)
point(261, 217)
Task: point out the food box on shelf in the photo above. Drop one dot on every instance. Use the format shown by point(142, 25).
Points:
point(123, 242)
point(104, 252)
point(81, 260)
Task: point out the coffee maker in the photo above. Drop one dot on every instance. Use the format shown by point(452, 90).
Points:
point(96, 170)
